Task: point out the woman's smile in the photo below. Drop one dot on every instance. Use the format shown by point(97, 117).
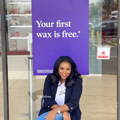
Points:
point(64, 70)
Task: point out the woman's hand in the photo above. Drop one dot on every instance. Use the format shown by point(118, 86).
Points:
point(66, 116)
point(51, 115)
point(55, 106)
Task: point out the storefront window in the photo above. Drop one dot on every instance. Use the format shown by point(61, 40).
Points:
point(109, 25)
point(103, 32)
point(99, 91)
point(109, 33)
point(95, 19)
point(19, 26)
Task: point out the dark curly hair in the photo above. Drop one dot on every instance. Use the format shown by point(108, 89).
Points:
point(74, 72)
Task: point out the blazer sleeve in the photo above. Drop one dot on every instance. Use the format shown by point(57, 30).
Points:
point(76, 94)
point(47, 100)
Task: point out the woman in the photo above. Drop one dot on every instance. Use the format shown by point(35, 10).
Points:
point(62, 91)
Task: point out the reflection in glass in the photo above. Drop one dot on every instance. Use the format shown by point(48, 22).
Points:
point(95, 66)
point(109, 24)
point(100, 93)
point(19, 27)
point(109, 27)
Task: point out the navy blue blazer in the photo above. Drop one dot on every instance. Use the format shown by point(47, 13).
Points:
point(72, 96)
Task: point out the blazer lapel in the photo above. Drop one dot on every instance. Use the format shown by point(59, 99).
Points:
point(68, 93)
point(54, 89)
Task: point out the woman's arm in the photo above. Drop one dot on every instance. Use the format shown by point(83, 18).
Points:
point(48, 100)
point(63, 108)
point(76, 94)
point(74, 100)
point(54, 106)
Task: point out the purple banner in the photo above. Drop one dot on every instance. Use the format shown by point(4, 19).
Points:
point(59, 28)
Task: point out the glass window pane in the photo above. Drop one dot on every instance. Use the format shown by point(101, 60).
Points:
point(101, 86)
point(19, 28)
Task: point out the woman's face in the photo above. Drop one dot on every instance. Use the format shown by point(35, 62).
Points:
point(64, 70)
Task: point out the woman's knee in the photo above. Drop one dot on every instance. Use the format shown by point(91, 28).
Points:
point(42, 116)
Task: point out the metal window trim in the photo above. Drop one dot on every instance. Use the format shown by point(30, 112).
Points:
point(4, 58)
point(118, 70)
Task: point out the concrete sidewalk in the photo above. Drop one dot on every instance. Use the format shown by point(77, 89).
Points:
point(98, 101)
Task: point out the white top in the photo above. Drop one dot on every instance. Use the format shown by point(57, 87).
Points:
point(60, 94)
